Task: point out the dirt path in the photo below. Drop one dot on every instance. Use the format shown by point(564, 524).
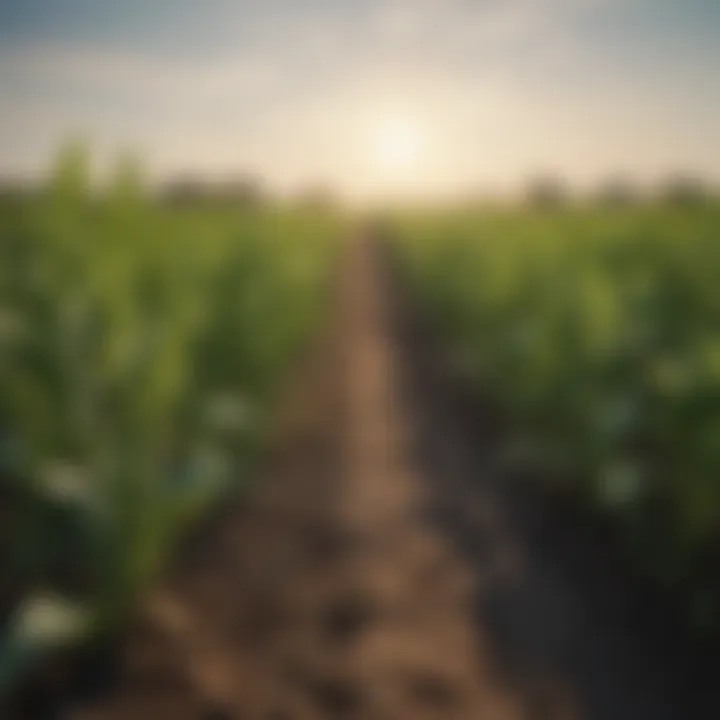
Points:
point(381, 571)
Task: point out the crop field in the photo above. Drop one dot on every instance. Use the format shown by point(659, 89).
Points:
point(141, 350)
point(360, 360)
point(231, 443)
point(596, 332)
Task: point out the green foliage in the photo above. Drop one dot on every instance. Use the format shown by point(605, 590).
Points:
point(599, 332)
point(140, 350)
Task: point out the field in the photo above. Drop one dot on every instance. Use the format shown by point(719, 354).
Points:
point(595, 333)
point(141, 351)
point(276, 461)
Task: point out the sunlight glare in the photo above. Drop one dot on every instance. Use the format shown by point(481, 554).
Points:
point(399, 144)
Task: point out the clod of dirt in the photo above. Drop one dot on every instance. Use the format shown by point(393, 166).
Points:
point(339, 698)
point(434, 691)
point(265, 619)
point(348, 617)
point(278, 715)
point(326, 544)
point(220, 714)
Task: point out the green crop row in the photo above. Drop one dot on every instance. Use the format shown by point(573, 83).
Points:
point(141, 348)
point(598, 333)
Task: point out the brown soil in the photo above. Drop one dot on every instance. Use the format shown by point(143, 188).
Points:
point(385, 570)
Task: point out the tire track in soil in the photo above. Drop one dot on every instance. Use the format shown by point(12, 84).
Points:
point(375, 573)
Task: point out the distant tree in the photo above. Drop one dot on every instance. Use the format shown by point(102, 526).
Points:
point(546, 191)
point(184, 189)
point(13, 189)
point(684, 190)
point(245, 191)
point(617, 192)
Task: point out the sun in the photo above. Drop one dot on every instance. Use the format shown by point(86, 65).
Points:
point(398, 144)
point(395, 151)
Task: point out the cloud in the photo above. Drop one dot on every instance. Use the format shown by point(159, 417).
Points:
point(86, 69)
point(294, 53)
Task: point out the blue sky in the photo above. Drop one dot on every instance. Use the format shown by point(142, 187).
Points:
point(300, 91)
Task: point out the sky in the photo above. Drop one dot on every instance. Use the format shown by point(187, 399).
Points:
point(371, 97)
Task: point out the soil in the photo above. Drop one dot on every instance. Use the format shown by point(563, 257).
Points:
point(388, 568)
